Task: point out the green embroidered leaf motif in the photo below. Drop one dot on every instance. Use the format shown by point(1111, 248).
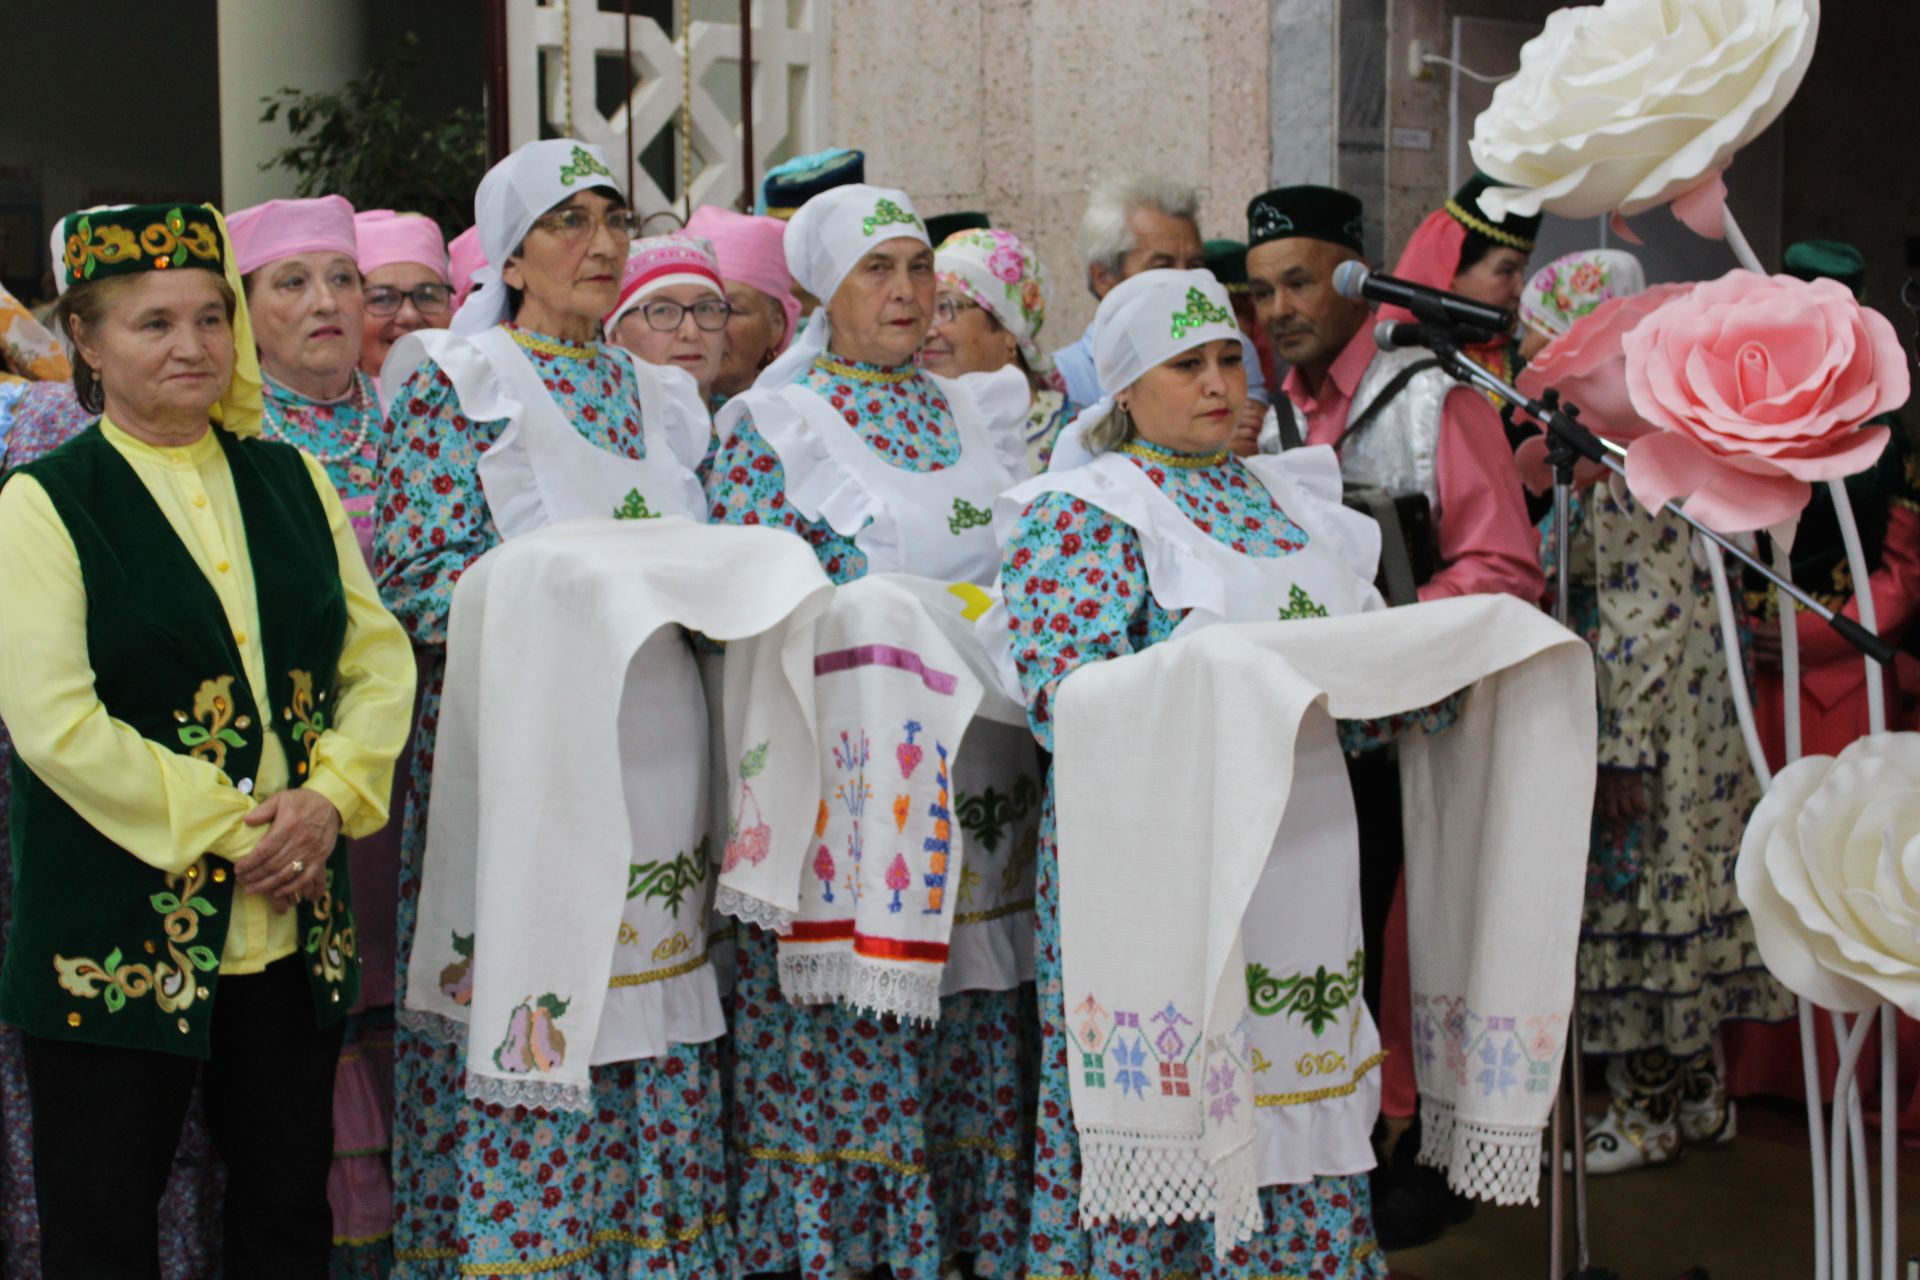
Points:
point(553, 1004)
point(753, 762)
point(204, 907)
point(1301, 605)
point(313, 939)
point(1199, 311)
point(163, 902)
point(1315, 999)
point(203, 958)
point(668, 880)
point(634, 508)
point(112, 962)
point(87, 273)
point(966, 516)
point(176, 221)
point(463, 945)
point(179, 255)
point(192, 735)
point(116, 999)
point(231, 738)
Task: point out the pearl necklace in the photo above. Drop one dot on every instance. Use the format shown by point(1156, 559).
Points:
point(350, 447)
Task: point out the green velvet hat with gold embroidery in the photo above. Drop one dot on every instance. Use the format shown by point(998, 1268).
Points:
point(1512, 231)
point(95, 244)
point(1227, 259)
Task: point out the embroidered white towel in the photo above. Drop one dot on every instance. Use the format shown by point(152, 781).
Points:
point(1158, 873)
point(865, 890)
point(532, 823)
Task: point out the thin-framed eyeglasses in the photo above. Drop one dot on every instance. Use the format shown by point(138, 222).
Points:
point(577, 224)
point(430, 299)
point(664, 314)
point(947, 308)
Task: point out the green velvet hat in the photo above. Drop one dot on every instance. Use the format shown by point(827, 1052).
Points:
point(1826, 260)
point(942, 225)
point(1227, 259)
point(1514, 231)
point(1319, 213)
point(120, 240)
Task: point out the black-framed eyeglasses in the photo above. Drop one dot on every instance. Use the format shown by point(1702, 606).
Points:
point(577, 224)
point(664, 315)
point(430, 299)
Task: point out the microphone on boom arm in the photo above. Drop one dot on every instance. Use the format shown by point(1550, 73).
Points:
point(1467, 322)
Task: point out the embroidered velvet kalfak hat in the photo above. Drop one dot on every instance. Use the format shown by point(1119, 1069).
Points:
point(792, 184)
point(96, 243)
point(1515, 231)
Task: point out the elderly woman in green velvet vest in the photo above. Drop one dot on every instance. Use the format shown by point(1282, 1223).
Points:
point(205, 696)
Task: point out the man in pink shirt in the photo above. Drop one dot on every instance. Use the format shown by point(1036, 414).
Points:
point(1428, 435)
point(1434, 436)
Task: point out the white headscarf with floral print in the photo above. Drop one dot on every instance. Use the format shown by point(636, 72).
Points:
point(1000, 273)
point(1574, 284)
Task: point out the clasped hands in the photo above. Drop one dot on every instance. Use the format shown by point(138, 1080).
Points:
point(290, 862)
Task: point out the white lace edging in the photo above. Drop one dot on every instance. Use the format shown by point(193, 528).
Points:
point(743, 906)
point(1127, 1175)
point(829, 977)
point(436, 1027)
point(1482, 1160)
point(530, 1091)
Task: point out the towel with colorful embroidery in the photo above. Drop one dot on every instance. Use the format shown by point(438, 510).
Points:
point(564, 902)
point(1206, 930)
point(927, 817)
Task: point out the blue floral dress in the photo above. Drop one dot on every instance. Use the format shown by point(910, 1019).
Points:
point(863, 1141)
point(639, 1186)
point(1076, 592)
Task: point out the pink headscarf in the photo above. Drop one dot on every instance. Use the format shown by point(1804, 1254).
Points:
point(750, 251)
point(386, 237)
point(657, 262)
point(464, 257)
point(282, 228)
point(1431, 258)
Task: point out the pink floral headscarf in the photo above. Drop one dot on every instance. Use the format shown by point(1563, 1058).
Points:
point(996, 270)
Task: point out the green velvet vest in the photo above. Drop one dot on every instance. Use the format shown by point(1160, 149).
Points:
point(105, 948)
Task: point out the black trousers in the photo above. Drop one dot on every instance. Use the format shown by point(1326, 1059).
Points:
point(106, 1121)
point(1375, 777)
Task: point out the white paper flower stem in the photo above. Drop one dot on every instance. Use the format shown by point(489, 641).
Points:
point(1889, 1143)
point(1846, 1119)
point(1736, 669)
point(1817, 1139)
point(1789, 616)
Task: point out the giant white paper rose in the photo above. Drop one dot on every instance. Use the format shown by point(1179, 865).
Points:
point(1622, 107)
point(1830, 873)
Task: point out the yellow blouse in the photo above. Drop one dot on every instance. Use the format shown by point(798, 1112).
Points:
point(163, 807)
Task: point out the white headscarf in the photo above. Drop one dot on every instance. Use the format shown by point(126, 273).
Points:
point(532, 180)
point(825, 241)
point(1145, 320)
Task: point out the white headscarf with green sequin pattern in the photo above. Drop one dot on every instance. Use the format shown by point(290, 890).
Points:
point(823, 243)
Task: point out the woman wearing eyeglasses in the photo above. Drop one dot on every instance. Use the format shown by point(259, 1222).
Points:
point(673, 309)
point(518, 416)
point(403, 267)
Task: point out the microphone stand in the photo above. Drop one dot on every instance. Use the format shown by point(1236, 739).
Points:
point(1567, 442)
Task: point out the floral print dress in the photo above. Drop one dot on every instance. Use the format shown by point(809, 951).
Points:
point(1666, 949)
point(864, 1141)
point(638, 1187)
point(1076, 592)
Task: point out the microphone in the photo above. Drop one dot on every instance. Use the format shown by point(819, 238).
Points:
point(1429, 306)
point(1391, 335)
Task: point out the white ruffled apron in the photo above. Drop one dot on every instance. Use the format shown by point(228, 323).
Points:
point(1311, 1044)
point(933, 524)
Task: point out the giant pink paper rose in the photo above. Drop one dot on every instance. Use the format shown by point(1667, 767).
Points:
point(1589, 369)
point(1757, 386)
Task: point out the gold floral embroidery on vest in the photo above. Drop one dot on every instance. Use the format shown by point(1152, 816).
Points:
point(306, 715)
point(172, 985)
point(212, 727)
point(330, 940)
